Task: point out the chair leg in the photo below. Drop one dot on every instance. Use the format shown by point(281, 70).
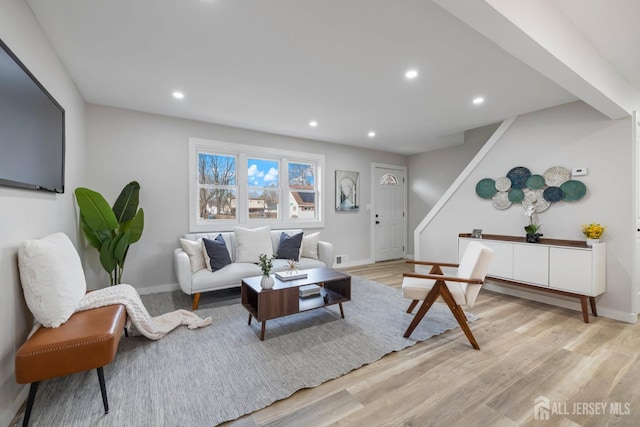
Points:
point(412, 305)
point(434, 270)
point(459, 315)
point(103, 390)
point(32, 397)
point(422, 311)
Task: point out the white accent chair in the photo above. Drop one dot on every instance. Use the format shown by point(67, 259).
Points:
point(458, 290)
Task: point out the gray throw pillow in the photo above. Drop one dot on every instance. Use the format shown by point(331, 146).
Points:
point(216, 253)
point(289, 246)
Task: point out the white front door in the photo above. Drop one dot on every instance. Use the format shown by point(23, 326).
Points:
point(389, 212)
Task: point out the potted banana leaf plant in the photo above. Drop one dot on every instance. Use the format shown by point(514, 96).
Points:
point(111, 230)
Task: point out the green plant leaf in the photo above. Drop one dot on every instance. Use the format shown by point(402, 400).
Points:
point(106, 256)
point(95, 210)
point(91, 235)
point(127, 202)
point(124, 257)
point(136, 226)
point(120, 245)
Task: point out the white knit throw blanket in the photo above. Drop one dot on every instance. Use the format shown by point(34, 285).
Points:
point(151, 327)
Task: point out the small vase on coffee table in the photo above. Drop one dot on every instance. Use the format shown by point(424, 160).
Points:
point(267, 282)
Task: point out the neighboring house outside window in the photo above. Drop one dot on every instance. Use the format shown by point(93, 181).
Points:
point(263, 188)
point(241, 185)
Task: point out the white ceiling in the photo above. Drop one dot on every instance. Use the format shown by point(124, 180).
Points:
point(275, 65)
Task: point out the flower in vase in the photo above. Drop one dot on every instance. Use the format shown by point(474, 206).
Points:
point(292, 265)
point(532, 228)
point(593, 230)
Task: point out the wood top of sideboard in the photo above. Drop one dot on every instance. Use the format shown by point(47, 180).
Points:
point(522, 239)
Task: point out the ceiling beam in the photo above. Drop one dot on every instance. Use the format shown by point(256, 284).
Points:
point(537, 34)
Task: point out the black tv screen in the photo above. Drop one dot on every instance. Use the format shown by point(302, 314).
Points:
point(31, 129)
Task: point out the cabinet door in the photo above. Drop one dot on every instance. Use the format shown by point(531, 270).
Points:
point(571, 270)
point(531, 264)
point(502, 263)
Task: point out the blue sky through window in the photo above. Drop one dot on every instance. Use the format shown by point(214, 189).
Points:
point(262, 173)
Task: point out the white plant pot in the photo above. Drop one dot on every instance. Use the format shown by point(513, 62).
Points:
point(590, 242)
point(267, 282)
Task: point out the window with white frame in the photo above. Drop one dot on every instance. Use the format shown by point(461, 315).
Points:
point(237, 184)
point(217, 188)
point(263, 201)
point(302, 191)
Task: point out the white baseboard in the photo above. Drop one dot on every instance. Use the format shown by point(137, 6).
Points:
point(360, 262)
point(559, 301)
point(169, 287)
point(617, 315)
point(355, 263)
point(10, 412)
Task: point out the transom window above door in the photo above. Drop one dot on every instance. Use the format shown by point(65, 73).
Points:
point(389, 179)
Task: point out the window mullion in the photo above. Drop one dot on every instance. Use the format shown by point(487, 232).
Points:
point(283, 188)
point(242, 209)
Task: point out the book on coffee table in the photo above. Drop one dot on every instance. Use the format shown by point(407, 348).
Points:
point(291, 275)
point(309, 290)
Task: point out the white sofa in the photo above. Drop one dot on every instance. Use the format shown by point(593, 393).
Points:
point(230, 276)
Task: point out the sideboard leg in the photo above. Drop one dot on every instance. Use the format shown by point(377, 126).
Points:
point(592, 300)
point(585, 312)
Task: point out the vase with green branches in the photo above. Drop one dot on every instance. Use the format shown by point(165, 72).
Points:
point(111, 229)
point(266, 265)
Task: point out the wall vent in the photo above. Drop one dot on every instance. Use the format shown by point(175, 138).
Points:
point(341, 259)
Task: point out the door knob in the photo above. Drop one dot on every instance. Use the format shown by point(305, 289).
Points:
point(378, 222)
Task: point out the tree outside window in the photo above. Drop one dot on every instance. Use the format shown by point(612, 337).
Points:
point(302, 191)
point(217, 187)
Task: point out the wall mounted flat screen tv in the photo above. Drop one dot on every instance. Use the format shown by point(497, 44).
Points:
point(31, 129)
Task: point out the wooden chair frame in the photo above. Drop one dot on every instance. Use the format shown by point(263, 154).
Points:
point(440, 289)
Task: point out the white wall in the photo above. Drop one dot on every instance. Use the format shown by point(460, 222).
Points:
point(152, 149)
point(573, 135)
point(26, 214)
point(431, 174)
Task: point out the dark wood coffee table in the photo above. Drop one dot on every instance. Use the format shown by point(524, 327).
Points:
point(284, 298)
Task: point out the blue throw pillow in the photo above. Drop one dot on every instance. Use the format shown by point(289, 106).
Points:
point(289, 246)
point(215, 253)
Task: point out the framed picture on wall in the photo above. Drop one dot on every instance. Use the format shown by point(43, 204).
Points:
point(347, 186)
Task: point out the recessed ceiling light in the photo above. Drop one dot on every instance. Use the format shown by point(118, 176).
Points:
point(371, 134)
point(478, 100)
point(178, 95)
point(313, 123)
point(411, 74)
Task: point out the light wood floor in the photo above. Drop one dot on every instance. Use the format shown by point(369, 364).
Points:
point(528, 349)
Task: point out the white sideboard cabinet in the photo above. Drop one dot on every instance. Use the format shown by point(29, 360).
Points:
point(565, 267)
